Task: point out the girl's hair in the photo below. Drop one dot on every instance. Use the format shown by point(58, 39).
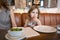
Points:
point(4, 4)
point(32, 8)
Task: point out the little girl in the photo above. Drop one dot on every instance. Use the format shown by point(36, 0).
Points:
point(33, 17)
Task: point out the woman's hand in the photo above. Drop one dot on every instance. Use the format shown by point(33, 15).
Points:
point(14, 25)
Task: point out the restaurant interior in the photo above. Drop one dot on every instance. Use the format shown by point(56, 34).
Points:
point(49, 16)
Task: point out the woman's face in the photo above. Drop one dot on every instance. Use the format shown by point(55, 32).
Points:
point(34, 13)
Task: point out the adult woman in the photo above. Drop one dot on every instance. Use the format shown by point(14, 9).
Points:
point(6, 15)
point(33, 17)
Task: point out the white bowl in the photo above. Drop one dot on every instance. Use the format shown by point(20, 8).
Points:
point(15, 33)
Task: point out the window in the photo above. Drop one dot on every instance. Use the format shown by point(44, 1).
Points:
point(41, 3)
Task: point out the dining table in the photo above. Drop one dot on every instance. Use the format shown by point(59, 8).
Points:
point(42, 36)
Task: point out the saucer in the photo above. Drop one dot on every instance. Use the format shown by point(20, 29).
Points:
point(7, 36)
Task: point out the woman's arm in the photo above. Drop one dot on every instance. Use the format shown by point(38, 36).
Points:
point(26, 22)
point(12, 17)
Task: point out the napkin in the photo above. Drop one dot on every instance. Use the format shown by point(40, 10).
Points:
point(29, 32)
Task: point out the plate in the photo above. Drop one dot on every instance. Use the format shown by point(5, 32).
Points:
point(45, 29)
point(7, 36)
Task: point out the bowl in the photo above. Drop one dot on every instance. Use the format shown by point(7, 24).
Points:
point(15, 32)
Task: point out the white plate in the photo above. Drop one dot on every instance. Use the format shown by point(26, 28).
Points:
point(7, 36)
point(45, 29)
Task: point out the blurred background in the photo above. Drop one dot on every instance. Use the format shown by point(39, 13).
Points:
point(49, 6)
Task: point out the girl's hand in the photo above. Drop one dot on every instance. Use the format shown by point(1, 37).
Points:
point(38, 21)
point(35, 19)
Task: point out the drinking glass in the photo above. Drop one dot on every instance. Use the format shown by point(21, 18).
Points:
point(58, 28)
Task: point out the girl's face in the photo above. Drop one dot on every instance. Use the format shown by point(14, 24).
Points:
point(34, 13)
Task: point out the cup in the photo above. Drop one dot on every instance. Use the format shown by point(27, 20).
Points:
point(58, 28)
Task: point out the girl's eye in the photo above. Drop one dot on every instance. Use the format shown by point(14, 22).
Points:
point(33, 12)
point(36, 12)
